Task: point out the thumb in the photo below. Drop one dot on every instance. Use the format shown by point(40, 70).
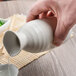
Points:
point(38, 8)
point(64, 24)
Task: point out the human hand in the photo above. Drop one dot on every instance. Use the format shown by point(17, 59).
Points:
point(63, 10)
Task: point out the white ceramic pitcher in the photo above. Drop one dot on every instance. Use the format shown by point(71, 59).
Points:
point(35, 36)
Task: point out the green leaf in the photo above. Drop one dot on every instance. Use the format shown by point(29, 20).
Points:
point(1, 22)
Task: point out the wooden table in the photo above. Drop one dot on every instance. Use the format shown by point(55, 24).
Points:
point(59, 62)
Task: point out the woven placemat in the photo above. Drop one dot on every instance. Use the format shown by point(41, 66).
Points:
point(24, 57)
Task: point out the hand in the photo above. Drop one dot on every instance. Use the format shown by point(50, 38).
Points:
point(63, 10)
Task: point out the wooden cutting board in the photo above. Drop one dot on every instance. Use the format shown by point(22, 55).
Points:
point(24, 57)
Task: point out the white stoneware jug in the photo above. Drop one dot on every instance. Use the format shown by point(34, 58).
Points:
point(35, 36)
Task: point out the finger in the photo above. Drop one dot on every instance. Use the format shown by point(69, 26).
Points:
point(43, 15)
point(50, 14)
point(62, 29)
point(47, 14)
point(38, 8)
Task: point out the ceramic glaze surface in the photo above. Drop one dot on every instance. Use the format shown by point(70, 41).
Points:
point(8, 70)
point(35, 36)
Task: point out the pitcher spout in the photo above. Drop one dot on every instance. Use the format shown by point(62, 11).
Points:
point(14, 42)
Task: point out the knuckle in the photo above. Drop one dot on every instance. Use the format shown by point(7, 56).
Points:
point(60, 36)
point(68, 21)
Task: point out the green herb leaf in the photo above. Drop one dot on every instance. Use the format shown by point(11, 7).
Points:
point(1, 22)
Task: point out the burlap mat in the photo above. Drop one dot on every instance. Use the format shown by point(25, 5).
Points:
point(24, 57)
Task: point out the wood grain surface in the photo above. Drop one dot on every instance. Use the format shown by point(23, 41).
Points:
point(60, 61)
